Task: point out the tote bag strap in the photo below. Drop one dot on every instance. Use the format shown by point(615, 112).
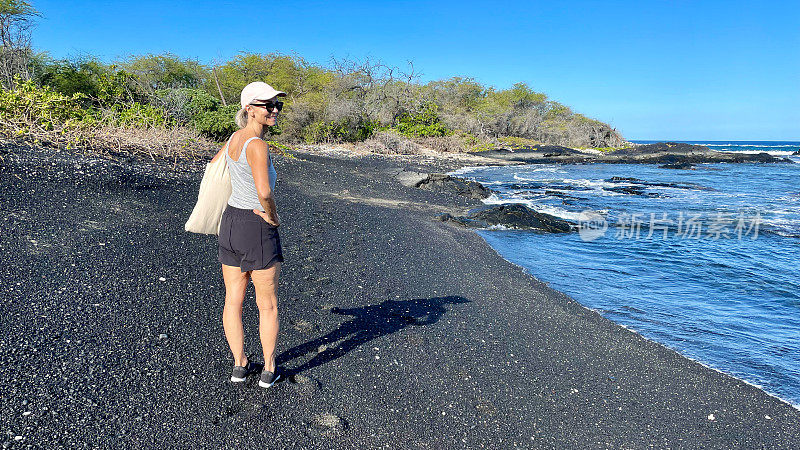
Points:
point(228, 144)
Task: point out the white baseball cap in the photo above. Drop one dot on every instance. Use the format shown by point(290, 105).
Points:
point(258, 90)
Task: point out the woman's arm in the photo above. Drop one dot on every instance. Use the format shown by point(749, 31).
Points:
point(258, 158)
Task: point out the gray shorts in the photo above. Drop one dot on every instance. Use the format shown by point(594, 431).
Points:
point(247, 241)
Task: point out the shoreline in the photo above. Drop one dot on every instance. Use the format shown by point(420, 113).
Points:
point(440, 356)
point(458, 173)
point(695, 360)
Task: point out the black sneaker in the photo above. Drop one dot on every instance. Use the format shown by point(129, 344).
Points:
point(240, 373)
point(268, 378)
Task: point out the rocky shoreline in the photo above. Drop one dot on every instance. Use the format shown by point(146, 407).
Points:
point(397, 329)
point(669, 154)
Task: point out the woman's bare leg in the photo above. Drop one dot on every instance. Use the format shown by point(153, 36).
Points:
point(266, 284)
point(235, 286)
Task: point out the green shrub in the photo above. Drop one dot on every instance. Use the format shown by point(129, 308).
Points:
point(347, 101)
point(71, 77)
point(518, 143)
point(137, 115)
point(166, 71)
point(287, 73)
point(475, 144)
point(200, 101)
point(185, 104)
point(29, 106)
point(422, 124)
point(341, 131)
point(217, 124)
point(115, 87)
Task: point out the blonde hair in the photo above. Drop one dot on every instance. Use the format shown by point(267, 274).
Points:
point(241, 118)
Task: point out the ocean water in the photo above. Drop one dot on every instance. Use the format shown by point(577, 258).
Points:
point(703, 261)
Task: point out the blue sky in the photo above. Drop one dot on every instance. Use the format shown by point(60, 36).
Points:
point(681, 70)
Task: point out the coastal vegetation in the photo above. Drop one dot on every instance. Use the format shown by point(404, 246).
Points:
point(170, 106)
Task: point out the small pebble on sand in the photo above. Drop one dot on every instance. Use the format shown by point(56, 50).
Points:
point(327, 420)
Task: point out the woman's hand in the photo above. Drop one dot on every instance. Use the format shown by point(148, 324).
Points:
point(266, 218)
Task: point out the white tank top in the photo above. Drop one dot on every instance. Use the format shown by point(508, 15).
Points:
point(244, 194)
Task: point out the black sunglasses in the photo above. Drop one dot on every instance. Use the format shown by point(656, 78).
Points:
point(269, 105)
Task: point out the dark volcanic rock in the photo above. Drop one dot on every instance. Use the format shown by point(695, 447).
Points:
point(686, 155)
point(670, 153)
point(683, 165)
point(662, 147)
point(520, 216)
point(460, 220)
point(559, 194)
point(446, 183)
point(511, 216)
point(633, 190)
point(537, 154)
point(546, 150)
point(532, 185)
point(683, 185)
point(763, 157)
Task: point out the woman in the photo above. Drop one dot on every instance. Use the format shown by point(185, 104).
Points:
point(249, 245)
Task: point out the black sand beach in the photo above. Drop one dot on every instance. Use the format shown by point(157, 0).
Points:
point(396, 330)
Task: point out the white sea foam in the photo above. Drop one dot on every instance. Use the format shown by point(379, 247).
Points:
point(590, 183)
point(463, 170)
point(547, 209)
point(755, 152)
point(554, 169)
point(749, 145)
point(497, 227)
point(605, 193)
point(520, 178)
point(782, 226)
point(574, 216)
point(589, 186)
point(594, 184)
point(493, 199)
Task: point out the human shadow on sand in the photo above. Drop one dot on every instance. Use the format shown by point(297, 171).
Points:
point(367, 323)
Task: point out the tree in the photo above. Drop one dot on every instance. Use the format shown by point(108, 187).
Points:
point(283, 72)
point(16, 20)
point(70, 76)
point(166, 71)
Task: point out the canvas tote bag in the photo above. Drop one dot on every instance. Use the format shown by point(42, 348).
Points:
point(215, 190)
